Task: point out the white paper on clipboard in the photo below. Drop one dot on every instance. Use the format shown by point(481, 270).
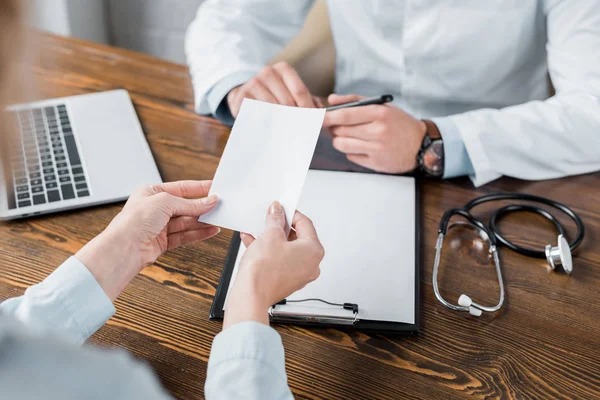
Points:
point(366, 223)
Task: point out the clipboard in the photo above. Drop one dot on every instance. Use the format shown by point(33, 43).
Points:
point(350, 319)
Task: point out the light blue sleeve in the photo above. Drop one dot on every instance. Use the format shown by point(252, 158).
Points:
point(216, 97)
point(69, 302)
point(247, 361)
point(46, 367)
point(456, 158)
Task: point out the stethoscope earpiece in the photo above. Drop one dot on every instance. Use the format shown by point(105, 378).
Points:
point(465, 301)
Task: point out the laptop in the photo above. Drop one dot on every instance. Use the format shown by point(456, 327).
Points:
point(74, 152)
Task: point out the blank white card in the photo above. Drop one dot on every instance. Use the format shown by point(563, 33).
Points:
point(366, 223)
point(266, 159)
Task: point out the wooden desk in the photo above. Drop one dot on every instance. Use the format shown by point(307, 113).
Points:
point(545, 343)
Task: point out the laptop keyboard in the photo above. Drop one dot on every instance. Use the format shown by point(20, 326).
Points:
point(46, 164)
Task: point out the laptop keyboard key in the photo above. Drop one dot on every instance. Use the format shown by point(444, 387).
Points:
point(67, 191)
point(24, 204)
point(80, 179)
point(65, 179)
point(72, 150)
point(49, 178)
point(84, 193)
point(37, 189)
point(39, 199)
point(81, 186)
point(36, 182)
point(53, 195)
point(77, 170)
point(22, 196)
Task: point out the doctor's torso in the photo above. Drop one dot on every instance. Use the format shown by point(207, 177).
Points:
point(441, 57)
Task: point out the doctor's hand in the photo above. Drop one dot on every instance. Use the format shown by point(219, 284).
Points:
point(380, 137)
point(273, 267)
point(278, 84)
point(156, 218)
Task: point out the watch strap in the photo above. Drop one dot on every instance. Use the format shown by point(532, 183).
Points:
point(432, 130)
point(432, 133)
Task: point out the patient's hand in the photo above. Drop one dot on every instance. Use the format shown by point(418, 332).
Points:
point(156, 218)
point(273, 267)
point(278, 84)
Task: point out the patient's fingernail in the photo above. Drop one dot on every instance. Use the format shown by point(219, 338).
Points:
point(210, 200)
point(276, 208)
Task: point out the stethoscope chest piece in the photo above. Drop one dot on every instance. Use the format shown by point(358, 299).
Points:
point(560, 255)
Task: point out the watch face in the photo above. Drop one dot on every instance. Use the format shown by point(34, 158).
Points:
point(433, 159)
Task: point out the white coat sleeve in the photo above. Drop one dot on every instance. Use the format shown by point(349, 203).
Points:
point(553, 138)
point(234, 39)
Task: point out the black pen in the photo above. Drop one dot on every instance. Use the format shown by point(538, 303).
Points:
point(384, 98)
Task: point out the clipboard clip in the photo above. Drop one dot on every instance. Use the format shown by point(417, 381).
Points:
point(282, 315)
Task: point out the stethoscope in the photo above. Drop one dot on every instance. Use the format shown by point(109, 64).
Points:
point(556, 256)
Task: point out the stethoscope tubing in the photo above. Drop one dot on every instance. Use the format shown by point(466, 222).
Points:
point(528, 208)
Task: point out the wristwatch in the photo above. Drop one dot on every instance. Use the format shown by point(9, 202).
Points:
point(430, 158)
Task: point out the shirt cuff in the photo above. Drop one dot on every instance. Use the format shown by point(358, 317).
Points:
point(249, 341)
point(217, 96)
point(456, 158)
point(84, 305)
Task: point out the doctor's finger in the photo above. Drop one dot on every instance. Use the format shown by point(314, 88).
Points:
point(352, 145)
point(272, 80)
point(352, 115)
point(257, 90)
point(295, 85)
point(236, 101)
point(362, 160)
point(363, 131)
point(335, 99)
point(320, 102)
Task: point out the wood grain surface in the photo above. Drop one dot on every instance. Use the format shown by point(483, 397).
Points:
point(544, 344)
